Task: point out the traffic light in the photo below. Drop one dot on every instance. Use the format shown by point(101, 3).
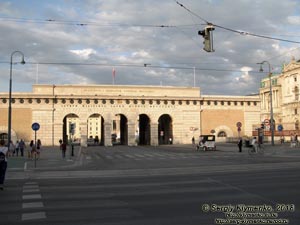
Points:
point(208, 38)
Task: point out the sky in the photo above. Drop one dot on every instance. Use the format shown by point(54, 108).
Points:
point(146, 42)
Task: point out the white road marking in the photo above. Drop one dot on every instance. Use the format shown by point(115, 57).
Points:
point(35, 196)
point(31, 205)
point(34, 216)
point(31, 190)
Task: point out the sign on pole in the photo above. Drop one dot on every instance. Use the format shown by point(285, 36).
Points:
point(35, 126)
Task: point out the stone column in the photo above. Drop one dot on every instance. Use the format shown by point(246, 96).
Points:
point(107, 133)
point(83, 134)
point(131, 134)
point(154, 134)
point(58, 133)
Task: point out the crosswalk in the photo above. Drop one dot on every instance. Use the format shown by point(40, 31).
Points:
point(156, 156)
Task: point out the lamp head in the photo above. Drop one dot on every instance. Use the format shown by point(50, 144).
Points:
point(261, 68)
point(23, 61)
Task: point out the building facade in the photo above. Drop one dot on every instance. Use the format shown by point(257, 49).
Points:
point(128, 115)
point(285, 98)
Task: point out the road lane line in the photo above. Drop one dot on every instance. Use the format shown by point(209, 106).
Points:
point(30, 197)
point(30, 205)
point(33, 216)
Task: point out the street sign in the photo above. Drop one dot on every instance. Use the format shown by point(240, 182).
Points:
point(35, 126)
point(239, 124)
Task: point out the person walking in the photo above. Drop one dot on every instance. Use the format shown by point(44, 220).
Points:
point(63, 148)
point(22, 147)
point(11, 149)
point(31, 150)
point(193, 141)
point(3, 163)
point(17, 148)
point(240, 144)
point(38, 148)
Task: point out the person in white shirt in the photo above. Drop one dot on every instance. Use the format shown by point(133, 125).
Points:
point(254, 144)
point(3, 162)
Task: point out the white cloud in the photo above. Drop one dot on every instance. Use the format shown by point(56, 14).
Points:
point(84, 53)
point(294, 20)
point(117, 32)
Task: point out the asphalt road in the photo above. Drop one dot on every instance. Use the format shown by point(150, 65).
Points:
point(144, 186)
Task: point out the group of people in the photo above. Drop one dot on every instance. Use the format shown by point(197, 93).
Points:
point(14, 149)
point(20, 147)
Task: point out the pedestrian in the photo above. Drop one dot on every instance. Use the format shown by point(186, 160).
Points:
point(38, 148)
point(240, 144)
point(254, 144)
point(17, 148)
point(3, 162)
point(22, 147)
point(63, 148)
point(11, 149)
point(193, 141)
point(30, 151)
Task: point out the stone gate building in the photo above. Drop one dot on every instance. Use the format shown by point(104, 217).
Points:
point(129, 115)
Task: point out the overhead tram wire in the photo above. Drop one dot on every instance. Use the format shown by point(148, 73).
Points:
point(245, 33)
point(132, 66)
point(86, 23)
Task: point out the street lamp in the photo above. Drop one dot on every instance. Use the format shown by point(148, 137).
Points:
point(271, 100)
point(10, 100)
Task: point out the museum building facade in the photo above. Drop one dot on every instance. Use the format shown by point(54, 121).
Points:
point(128, 115)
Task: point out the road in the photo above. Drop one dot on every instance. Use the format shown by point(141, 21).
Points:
point(123, 186)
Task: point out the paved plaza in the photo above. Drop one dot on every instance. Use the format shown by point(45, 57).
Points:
point(168, 185)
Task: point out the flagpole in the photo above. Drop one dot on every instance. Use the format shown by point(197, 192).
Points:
point(194, 76)
point(113, 75)
point(37, 74)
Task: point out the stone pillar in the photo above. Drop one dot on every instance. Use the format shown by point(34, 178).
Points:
point(154, 134)
point(131, 134)
point(83, 134)
point(58, 133)
point(107, 133)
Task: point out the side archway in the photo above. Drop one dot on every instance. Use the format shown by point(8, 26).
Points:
point(165, 129)
point(67, 120)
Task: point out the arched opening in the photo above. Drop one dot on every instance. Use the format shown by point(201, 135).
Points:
point(144, 130)
point(95, 129)
point(165, 129)
point(75, 134)
point(120, 130)
point(222, 134)
point(4, 136)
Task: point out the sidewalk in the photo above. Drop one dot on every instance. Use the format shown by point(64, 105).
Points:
point(50, 158)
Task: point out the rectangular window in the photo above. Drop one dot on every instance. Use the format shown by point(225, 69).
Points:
point(296, 111)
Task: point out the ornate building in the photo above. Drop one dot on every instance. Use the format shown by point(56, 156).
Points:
point(285, 98)
point(129, 115)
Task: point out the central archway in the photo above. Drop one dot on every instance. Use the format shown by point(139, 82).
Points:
point(144, 130)
point(95, 129)
point(120, 130)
